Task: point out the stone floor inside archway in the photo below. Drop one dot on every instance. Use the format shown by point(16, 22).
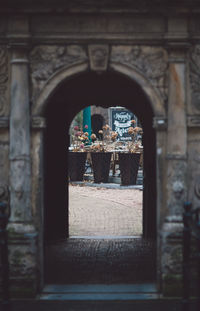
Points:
point(105, 246)
point(101, 261)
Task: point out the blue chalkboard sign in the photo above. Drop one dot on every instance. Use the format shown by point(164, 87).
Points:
point(120, 120)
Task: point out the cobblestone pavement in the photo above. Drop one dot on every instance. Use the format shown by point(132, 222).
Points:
point(104, 212)
point(100, 261)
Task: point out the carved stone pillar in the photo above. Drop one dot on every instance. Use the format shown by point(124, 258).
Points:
point(176, 173)
point(22, 235)
point(194, 127)
point(177, 133)
point(20, 138)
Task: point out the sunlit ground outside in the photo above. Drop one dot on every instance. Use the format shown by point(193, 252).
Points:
point(95, 211)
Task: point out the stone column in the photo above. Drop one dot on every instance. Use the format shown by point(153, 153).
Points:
point(20, 138)
point(160, 125)
point(22, 235)
point(176, 173)
point(177, 134)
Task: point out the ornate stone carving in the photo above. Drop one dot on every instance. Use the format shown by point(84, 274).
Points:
point(3, 79)
point(149, 61)
point(195, 76)
point(38, 123)
point(98, 57)
point(178, 188)
point(4, 192)
point(5, 197)
point(193, 121)
point(176, 185)
point(46, 60)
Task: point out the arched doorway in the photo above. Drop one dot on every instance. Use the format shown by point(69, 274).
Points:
point(60, 101)
point(108, 89)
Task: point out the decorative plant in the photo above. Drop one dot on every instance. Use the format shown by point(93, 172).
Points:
point(79, 139)
point(107, 137)
point(134, 145)
point(93, 137)
point(106, 133)
point(107, 141)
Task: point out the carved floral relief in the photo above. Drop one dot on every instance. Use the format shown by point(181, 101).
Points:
point(46, 60)
point(98, 55)
point(152, 62)
point(193, 179)
point(3, 80)
point(176, 186)
point(194, 62)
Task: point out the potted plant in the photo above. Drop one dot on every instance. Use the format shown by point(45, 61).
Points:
point(129, 160)
point(77, 155)
point(101, 154)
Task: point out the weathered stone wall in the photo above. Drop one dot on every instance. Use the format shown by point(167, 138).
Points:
point(183, 170)
point(4, 114)
point(4, 120)
point(147, 46)
point(193, 110)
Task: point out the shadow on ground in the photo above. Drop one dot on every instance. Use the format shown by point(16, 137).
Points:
point(100, 261)
point(155, 305)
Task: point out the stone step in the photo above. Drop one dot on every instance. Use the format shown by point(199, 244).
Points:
point(91, 305)
point(98, 292)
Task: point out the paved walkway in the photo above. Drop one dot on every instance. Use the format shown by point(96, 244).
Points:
point(96, 211)
point(100, 261)
point(104, 261)
point(101, 248)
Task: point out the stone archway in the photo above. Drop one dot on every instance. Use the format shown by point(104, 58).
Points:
point(38, 61)
point(154, 94)
point(150, 74)
point(73, 95)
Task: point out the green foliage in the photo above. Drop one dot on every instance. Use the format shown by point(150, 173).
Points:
point(78, 120)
